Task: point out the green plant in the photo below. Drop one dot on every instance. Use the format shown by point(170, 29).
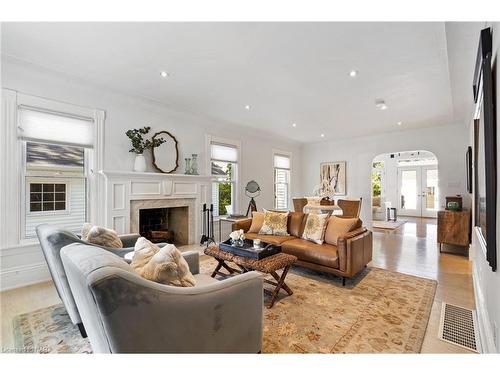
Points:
point(139, 144)
point(376, 184)
point(225, 193)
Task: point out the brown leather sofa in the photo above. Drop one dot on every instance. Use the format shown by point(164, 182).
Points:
point(351, 253)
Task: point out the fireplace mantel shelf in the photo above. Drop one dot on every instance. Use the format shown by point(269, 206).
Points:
point(152, 175)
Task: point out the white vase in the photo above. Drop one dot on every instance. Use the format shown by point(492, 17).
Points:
point(140, 163)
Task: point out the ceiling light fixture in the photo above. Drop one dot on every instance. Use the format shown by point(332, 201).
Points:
point(164, 74)
point(353, 73)
point(247, 107)
point(380, 104)
point(322, 136)
point(294, 125)
point(400, 123)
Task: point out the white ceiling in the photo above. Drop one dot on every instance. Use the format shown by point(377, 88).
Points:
point(288, 72)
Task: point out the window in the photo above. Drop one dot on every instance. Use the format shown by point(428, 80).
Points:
point(55, 152)
point(281, 181)
point(47, 197)
point(224, 170)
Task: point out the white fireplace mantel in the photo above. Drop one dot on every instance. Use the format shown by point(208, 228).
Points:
point(122, 187)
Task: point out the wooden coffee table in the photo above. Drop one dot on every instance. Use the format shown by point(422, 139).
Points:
point(269, 265)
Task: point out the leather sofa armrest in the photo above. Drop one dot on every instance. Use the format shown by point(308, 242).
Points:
point(353, 233)
point(355, 250)
point(242, 224)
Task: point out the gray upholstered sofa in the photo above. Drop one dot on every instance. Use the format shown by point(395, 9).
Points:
point(125, 313)
point(52, 240)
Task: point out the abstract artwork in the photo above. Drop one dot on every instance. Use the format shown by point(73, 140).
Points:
point(333, 177)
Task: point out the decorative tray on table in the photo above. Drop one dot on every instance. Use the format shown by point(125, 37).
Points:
point(249, 251)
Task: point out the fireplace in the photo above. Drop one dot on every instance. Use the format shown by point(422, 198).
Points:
point(164, 224)
point(164, 220)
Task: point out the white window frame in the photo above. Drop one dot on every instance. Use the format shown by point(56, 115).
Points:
point(41, 180)
point(288, 154)
point(211, 139)
point(13, 199)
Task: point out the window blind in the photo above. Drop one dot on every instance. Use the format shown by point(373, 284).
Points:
point(281, 161)
point(54, 128)
point(224, 152)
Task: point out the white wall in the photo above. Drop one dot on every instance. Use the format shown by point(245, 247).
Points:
point(448, 143)
point(486, 282)
point(125, 112)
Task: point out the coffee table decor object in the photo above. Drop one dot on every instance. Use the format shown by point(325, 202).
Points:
point(247, 249)
point(268, 265)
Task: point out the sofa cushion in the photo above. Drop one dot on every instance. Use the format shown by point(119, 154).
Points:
point(269, 238)
point(338, 226)
point(257, 221)
point(275, 223)
point(296, 222)
point(325, 254)
point(314, 229)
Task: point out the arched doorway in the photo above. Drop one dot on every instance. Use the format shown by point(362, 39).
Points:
point(407, 181)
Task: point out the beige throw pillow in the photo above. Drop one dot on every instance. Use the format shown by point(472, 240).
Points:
point(275, 223)
point(339, 226)
point(101, 236)
point(165, 265)
point(257, 221)
point(314, 229)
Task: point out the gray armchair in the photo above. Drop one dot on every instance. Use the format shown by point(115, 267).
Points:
point(52, 240)
point(124, 313)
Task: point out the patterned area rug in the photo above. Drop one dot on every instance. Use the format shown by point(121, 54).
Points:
point(48, 330)
point(381, 312)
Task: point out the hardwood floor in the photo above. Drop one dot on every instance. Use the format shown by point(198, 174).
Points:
point(410, 249)
point(413, 249)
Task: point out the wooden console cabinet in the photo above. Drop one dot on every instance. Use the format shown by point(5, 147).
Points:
point(454, 228)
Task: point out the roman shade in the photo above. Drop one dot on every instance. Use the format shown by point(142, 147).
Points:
point(281, 161)
point(56, 128)
point(224, 152)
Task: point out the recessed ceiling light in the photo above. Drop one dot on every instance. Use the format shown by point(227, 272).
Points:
point(322, 136)
point(400, 123)
point(164, 74)
point(247, 107)
point(380, 104)
point(353, 73)
point(294, 125)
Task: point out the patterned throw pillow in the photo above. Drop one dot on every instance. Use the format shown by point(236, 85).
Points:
point(275, 223)
point(314, 229)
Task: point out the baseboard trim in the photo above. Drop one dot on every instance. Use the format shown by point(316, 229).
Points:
point(18, 277)
point(486, 339)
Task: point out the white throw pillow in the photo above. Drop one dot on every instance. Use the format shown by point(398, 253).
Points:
point(165, 265)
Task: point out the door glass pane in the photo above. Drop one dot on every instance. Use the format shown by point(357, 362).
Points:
point(409, 190)
point(431, 187)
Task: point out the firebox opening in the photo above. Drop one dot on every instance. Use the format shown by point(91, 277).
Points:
point(164, 225)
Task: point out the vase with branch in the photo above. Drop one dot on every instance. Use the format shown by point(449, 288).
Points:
point(139, 145)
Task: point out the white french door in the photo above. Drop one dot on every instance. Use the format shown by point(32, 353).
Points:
point(418, 191)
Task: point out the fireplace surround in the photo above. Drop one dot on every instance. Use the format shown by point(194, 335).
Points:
point(127, 192)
